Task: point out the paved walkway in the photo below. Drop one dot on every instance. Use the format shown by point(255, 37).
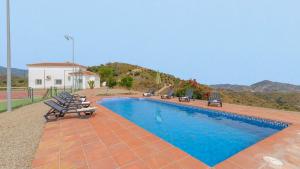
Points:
point(108, 141)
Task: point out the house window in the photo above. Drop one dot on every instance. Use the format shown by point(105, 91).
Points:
point(38, 81)
point(80, 80)
point(58, 81)
point(69, 78)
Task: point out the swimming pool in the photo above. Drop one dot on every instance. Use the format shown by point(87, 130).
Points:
point(208, 135)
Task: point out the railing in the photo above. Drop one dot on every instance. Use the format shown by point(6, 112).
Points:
point(22, 96)
point(16, 88)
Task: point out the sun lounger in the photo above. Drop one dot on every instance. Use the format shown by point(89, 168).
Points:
point(149, 93)
point(71, 103)
point(57, 111)
point(215, 98)
point(67, 95)
point(188, 96)
point(169, 95)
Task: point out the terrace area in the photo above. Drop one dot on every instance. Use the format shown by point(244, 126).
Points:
point(109, 141)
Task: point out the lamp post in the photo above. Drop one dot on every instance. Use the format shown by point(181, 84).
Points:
point(70, 38)
point(8, 75)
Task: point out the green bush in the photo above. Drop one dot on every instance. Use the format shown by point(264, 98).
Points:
point(105, 73)
point(91, 84)
point(127, 82)
point(111, 83)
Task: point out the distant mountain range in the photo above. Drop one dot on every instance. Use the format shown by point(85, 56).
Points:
point(14, 71)
point(265, 86)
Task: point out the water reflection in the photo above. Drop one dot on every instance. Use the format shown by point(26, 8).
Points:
point(158, 117)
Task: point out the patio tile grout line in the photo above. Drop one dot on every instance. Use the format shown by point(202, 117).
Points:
point(123, 143)
point(132, 150)
point(105, 146)
point(59, 154)
point(84, 152)
point(117, 135)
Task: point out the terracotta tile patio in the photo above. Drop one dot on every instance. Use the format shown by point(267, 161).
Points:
point(108, 141)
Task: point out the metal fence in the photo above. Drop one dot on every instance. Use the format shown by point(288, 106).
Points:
point(22, 96)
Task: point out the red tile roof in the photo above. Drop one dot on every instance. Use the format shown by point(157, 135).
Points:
point(55, 64)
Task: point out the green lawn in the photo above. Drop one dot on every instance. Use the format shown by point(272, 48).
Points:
point(18, 103)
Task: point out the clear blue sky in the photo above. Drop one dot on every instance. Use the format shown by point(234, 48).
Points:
point(214, 41)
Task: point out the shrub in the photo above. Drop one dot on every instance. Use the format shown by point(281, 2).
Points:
point(127, 82)
point(111, 83)
point(91, 84)
point(199, 91)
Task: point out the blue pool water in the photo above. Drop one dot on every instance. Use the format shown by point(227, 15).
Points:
point(207, 135)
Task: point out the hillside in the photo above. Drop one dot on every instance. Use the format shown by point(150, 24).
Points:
point(263, 94)
point(19, 77)
point(145, 79)
point(232, 87)
point(14, 71)
point(276, 100)
point(269, 86)
point(265, 86)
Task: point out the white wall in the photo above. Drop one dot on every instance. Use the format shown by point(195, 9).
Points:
point(53, 72)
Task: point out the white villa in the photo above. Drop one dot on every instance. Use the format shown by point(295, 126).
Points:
point(60, 75)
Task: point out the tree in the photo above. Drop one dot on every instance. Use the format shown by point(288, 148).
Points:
point(105, 73)
point(193, 83)
point(127, 82)
point(111, 83)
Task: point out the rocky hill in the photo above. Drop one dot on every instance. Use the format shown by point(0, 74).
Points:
point(265, 86)
point(269, 86)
